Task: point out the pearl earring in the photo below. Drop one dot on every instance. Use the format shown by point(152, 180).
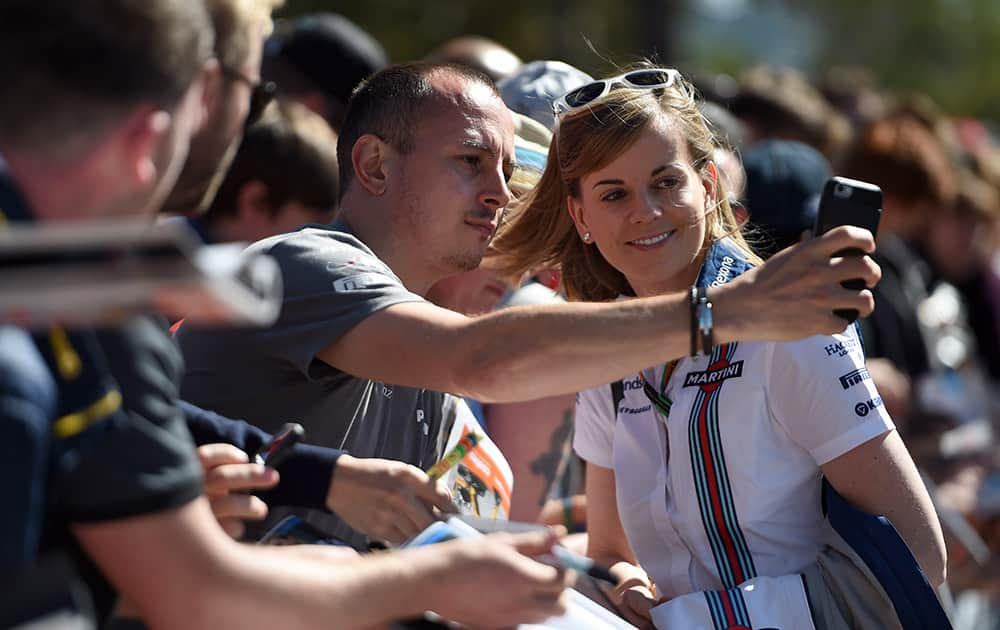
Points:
point(586, 237)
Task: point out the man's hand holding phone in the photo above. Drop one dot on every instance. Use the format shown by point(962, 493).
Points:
point(849, 202)
point(795, 293)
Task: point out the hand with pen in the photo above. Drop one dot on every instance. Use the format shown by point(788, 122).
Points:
point(385, 499)
point(393, 501)
point(229, 479)
point(495, 581)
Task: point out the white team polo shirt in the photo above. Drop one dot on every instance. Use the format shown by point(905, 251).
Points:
point(730, 489)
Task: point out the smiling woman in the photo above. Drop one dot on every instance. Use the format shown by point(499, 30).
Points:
point(704, 480)
point(650, 224)
point(653, 124)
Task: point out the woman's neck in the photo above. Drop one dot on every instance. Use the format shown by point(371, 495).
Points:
point(678, 282)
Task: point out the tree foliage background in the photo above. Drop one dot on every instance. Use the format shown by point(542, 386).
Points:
point(948, 49)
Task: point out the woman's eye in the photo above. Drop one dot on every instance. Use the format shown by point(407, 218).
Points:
point(667, 182)
point(614, 195)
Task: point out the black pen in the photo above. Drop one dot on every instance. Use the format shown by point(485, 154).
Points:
point(280, 446)
point(583, 564)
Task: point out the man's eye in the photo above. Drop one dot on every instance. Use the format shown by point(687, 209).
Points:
point(471, 160)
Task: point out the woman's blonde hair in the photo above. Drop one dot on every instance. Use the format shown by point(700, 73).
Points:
point(538, 231)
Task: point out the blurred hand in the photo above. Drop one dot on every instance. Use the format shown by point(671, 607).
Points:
point(554, 512)
point(229, 477)
point(493, 582)
point(385, 499)
point(634, 599)
point(794, 293)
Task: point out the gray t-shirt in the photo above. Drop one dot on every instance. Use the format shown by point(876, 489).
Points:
point(272, 376)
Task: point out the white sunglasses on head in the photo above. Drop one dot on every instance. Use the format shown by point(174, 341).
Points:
point(645, 79)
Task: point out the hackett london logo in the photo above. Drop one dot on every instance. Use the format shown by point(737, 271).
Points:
point(711, 377)
point(841, 348)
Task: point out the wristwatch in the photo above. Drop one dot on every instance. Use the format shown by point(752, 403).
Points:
point(701, 321)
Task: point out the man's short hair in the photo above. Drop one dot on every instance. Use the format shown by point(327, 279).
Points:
point(388, 104)
point(72, 69)
point(235, 23)
point(290, 150)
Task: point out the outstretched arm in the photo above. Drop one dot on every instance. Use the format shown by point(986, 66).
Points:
point(533, 352)
point(181, 571)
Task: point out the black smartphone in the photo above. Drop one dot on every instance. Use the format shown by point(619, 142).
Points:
point(849, 202)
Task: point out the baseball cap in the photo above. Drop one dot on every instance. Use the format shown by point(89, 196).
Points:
point(784, 182)
point(330, 50)
point(533, 88)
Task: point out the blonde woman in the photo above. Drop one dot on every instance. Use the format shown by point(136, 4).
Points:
point(706, 472)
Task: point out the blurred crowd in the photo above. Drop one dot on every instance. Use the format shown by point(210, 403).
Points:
point(259, 135)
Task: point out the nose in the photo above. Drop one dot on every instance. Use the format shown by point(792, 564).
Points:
point(647, 208)
point(495, 193)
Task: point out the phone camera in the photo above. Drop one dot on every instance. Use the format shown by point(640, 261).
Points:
point(842, 190)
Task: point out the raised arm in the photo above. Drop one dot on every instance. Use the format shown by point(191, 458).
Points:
point(532, 352)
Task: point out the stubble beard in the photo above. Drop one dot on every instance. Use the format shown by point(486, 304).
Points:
point(466, 261)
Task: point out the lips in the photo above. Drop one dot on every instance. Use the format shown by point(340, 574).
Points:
point(486, 228)
point(652, 241)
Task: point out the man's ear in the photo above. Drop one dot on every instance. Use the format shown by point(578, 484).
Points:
point(575, 209)
point(252, 205)
point(211, 94)
point(139, 138)
point(710, 180)
point(740, 212)
point(371, 158)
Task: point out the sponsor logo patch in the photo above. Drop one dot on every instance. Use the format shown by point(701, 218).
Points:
point(862, 409)
point(725, 271)
point(634, 410)
point(358, 282)
point(854, 377)
point(710, 377)
point(841, 348)
point(635, 383)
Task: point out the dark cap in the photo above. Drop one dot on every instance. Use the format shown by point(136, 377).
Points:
point(784, 183)
point(329, 50)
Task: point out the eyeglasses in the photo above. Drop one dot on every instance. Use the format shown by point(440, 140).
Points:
point(646, 79)
point(261, 94)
